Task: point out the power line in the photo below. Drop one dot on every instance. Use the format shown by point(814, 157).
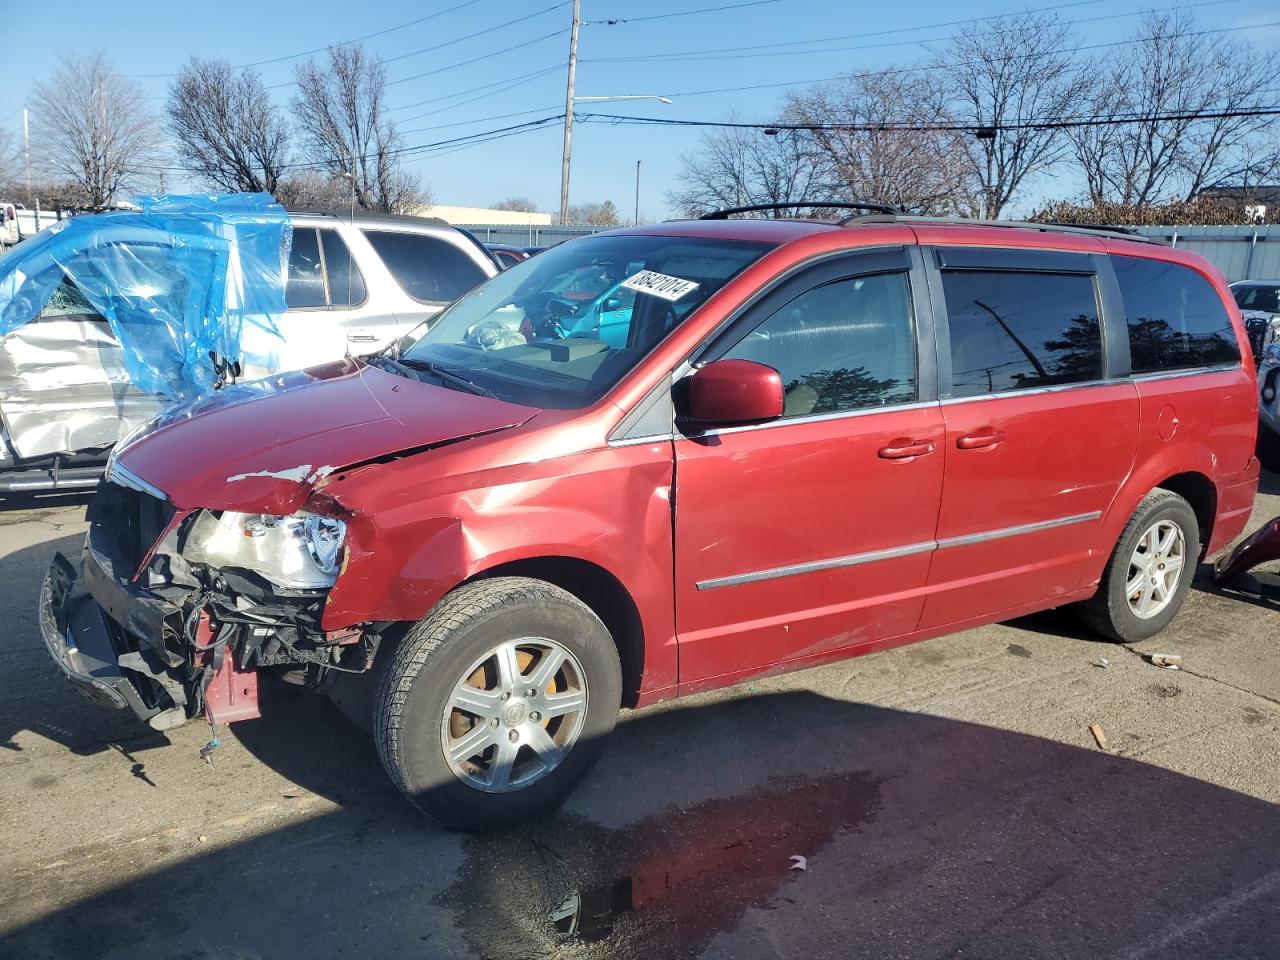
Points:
point(413, 149)
point(945, 23)
point(922, 68)
point(1096, 120)
point(484, 96)
point(614, 21)
point(485, 86)
point(731, 53)
point(463, 123)
point(462, 63)
point(485, 56)
point(478, 33)
point(308, 53)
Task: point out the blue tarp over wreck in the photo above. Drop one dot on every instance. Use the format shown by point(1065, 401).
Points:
point(176, 281)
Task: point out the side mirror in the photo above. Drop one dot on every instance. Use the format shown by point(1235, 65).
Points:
point(734, 391)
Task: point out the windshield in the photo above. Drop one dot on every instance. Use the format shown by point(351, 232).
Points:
point(559, 330)
point(1258, 297)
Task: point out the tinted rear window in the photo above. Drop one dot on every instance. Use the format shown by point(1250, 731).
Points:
point(346, 284)
point(1012, 331)
point(427, 268)
point(1176, 320)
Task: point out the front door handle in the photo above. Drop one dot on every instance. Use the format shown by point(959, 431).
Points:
point(982, 438)
point(361, 337)
point(904, 448)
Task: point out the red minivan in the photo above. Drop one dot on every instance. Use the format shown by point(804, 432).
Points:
point(664, 459)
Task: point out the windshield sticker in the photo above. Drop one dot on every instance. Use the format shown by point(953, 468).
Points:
point(659, 285)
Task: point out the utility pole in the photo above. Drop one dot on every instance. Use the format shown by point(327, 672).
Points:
point(636, 220)
point(26, 151)
point(568, 115)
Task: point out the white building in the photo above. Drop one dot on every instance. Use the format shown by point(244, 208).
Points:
point(482, 215)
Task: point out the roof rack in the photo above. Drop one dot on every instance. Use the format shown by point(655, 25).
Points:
point(878, 208)
point(1085, 229)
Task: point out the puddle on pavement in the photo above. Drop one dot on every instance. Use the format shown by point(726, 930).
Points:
point(661, 887)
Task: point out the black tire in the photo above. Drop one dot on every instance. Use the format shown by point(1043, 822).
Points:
point(1108, 611)
point(434, 656)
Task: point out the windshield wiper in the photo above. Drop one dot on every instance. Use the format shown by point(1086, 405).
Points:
point(391, 364)
point(446, 376)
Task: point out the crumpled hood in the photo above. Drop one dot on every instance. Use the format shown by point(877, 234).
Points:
point(260, 447)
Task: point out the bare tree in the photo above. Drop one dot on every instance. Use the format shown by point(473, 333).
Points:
point(308, 187)
point(516, 205)
point(91, 125)
point(876, 137)
point(595, 214)
point(10, 161)
point(1006, 75)
point(227, 131)
point(1160, 147)
point(739, 166)
point(340, 114)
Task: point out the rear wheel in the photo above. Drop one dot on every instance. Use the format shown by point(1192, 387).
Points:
point(1150, 571)
point(496, 704)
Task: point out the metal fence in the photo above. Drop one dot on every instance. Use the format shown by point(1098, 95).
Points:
point(1241, 253)
point(528, 236)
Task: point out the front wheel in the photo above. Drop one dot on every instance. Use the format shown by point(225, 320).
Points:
point(497, 703)
point(1150, 571)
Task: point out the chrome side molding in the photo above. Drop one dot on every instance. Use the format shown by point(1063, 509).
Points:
point(892, 553)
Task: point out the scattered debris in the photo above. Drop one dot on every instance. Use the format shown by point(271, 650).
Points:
point(1170, 661)
point(1098, 735)
point(206, 752)
point(202, 838)
point(1102, 662)
point(798, 862)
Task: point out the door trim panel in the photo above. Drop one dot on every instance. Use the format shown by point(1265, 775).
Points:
point(892, 553)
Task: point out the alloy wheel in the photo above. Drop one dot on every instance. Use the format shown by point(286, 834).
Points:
point(514, 715)
point(1155, 569)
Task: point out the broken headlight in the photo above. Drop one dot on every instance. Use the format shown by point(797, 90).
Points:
point(301, 552)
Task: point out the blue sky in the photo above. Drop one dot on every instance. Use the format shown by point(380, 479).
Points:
point(429, 90)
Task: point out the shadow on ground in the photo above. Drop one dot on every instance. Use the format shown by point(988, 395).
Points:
point(923, 836)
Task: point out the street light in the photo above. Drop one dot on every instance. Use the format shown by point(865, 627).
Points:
point(629, 96)
point(568, 135)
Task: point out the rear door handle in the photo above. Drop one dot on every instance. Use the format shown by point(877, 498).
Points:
point(361, 337)
point(904, 448)
point(982, 438)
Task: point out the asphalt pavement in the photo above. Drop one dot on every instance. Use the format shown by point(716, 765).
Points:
point(945, 799)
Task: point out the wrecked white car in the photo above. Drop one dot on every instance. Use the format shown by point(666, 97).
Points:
point(110, 319)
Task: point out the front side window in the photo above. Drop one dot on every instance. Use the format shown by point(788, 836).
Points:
point(426, 268)
point(1176, 320)
point(846, 345)
point(560, 329)
point(1017, 330)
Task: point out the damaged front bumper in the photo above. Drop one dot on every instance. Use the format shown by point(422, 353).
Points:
point(92, 626)
point(140, 624)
